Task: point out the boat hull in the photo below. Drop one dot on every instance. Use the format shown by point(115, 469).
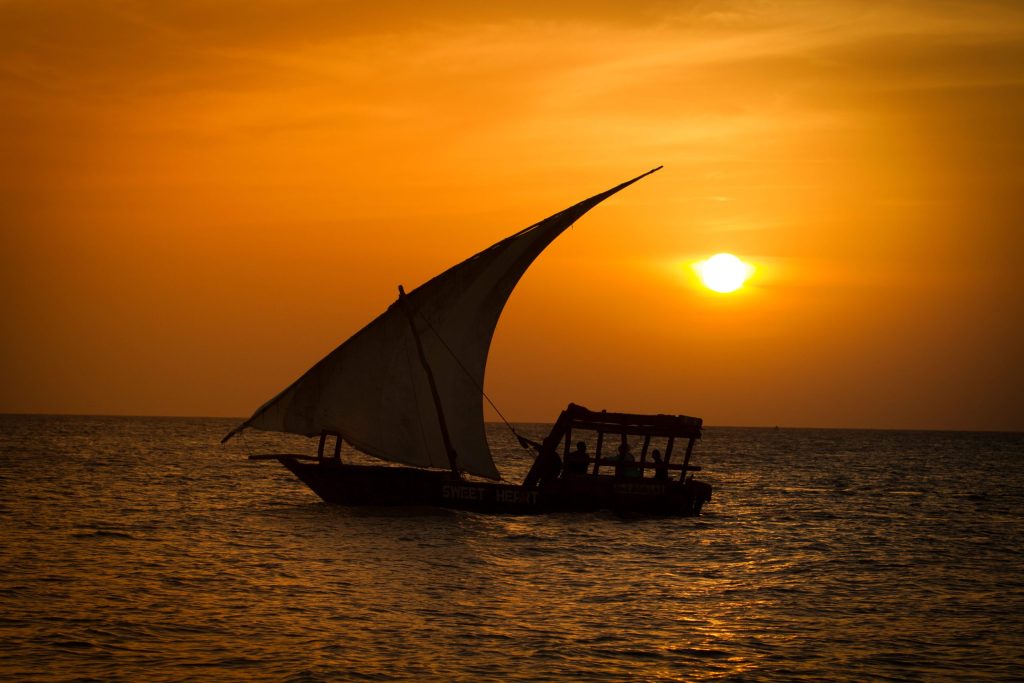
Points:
point(362, 485)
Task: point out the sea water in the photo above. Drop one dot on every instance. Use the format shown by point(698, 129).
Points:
point(142, 549)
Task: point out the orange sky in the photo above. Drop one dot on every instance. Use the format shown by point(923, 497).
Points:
point(198, 200)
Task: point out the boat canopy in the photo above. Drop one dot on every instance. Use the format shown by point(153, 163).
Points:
point(374, 390)
point(578, 417)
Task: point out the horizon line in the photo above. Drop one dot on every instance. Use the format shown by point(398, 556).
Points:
point(530, 422)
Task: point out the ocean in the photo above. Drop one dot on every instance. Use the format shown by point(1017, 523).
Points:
point(141, 549)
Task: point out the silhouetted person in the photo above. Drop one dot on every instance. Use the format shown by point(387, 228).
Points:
point(660, 466)
point(576, 461)
point(546, 467)
point(626, 466)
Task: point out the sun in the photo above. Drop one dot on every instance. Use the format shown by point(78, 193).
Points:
point(723, 273)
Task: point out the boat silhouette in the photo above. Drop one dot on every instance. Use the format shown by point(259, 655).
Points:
point(408, 389)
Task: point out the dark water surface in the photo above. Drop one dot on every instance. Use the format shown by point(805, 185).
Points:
point(141, 549)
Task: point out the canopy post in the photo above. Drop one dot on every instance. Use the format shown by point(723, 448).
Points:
point(449, 449)
point(686, 459)
point(668, 448)
point(320, 447)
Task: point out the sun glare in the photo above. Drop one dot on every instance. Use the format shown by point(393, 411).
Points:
point(723, 273)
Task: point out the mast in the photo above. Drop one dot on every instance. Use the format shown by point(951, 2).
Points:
point(449, 449)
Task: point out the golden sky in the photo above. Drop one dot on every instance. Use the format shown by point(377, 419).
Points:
point(198, 200)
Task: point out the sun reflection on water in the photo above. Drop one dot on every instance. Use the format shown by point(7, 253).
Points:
point(151, 552)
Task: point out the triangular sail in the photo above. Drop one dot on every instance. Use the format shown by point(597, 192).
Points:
point(373, 389)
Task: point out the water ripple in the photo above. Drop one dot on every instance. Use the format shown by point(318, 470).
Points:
point(140, 549)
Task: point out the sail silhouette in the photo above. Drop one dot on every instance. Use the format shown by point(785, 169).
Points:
point(374, 390)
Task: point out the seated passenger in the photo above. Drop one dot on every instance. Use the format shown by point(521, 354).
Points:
point(576, 462)
point(627, 464)
point(660, 466)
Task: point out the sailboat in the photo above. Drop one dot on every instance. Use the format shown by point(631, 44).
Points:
point(407, 389)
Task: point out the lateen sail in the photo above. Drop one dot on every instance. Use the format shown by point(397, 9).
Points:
point(373, 390)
